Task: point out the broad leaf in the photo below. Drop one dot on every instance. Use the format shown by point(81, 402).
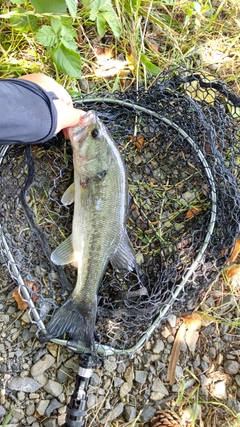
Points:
point(72, 7)
point(56, 24)
point(69, 43)
point(67, 37)
point(24, 22)
point(52, 6)
point(68, 31)
point(101, 25)
point(46, 36)
point(113, 22)
point(103, 12)
point(68, 61)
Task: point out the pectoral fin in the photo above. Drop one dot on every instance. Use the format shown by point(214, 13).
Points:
point(124, 256)
point(96, 168)
point(63, 254)
point(69, 195)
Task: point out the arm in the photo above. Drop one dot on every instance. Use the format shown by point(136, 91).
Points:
point(33, 109)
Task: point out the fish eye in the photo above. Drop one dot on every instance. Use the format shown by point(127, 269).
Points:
point(95, 133)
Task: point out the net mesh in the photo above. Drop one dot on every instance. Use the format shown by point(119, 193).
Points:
point(180, 140)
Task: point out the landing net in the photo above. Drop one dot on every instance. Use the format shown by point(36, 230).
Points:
point(180, 140)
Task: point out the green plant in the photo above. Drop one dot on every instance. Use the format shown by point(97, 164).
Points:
point(9, 415)
point(54, 24)
point(102, 12)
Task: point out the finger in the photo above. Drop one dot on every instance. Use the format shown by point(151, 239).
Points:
point(66, 115)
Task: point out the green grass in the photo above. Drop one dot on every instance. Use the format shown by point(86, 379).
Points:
point(139, 40)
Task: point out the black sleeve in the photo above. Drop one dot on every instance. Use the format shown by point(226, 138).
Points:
point(27, 112)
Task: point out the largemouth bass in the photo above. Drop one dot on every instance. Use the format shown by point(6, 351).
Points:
point(100, 196)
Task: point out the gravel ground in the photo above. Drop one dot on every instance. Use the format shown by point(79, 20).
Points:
point(37, 380)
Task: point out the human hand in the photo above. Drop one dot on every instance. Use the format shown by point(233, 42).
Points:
point(67, 116)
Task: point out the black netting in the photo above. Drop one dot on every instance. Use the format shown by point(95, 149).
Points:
point(180, 140)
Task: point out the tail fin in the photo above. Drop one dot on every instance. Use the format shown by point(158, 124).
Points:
point(76, 318)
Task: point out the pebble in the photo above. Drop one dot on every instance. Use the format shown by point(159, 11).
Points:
point(237, 379)
point(212, 352)
point(42, 365)
point(129, 374)
point(129, 413)
point(117, 382)
point(54, 404)
point(172, 320)
point(219, 390)
point(52, 422)
point(121, 367)
point(41, 379)
point(141, 376)
point(159, 387)
point(18, 414)
point(109, 365)
point(28, 385)
point(125, 389)
point(63, 374)
point(115, 412)
point(91, 400)
point(147, 413)
point(158, 346)
point(231, 367)
point(165, 332)
point(42, 406)
point(53, 387)
point(30, 409)
point(95, 379)
point(234, 404)
point(2, 411)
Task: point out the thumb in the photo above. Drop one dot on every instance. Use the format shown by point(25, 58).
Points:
point(66, 115)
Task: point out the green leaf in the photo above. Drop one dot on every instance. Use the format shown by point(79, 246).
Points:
point(69, 43)
point(152, 68)
point(46, 36)
point(93, 6)
point(72, 7)
point(68, 61)
point(101, 25)
point(18, 2)
point(113, 22)
point(56, 24)
point(52, 6)
point(67, 37)
point(68, 31)
point(24, 22)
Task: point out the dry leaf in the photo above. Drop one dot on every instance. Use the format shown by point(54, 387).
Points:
point(193, 211)
point(21, 303)
point(231, 271)
point(139, 141)
point(174, 356)
point(235, 252)
point(154, 46)
point(193, 321)
point(36, 415)
point(191, 338)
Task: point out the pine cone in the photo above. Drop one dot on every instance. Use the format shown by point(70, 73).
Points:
point(165, 418)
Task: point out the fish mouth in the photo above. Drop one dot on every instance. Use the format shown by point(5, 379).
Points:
point(80, 131)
